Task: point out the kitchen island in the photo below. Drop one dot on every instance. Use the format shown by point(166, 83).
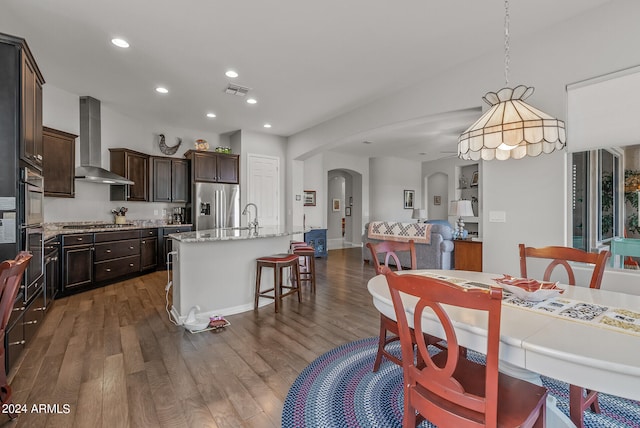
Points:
point(216, 269)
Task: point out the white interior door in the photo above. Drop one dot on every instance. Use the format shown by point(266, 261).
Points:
point(263, 187)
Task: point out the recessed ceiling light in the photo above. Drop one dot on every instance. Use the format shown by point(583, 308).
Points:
point(211, 115)
point(251, 101)
point(121, 43)
point(162, 90)
point(231, 73)
point(267, 125)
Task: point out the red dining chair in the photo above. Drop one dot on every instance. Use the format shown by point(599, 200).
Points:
point(450, 390)
point(580, 399)
point(389, 250)
point(11, 273)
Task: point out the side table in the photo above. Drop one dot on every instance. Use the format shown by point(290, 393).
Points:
point(467, 255)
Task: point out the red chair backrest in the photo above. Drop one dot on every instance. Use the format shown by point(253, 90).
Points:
point(432, 294)
point(389, 249)
point(11, 272)
point(560, 256)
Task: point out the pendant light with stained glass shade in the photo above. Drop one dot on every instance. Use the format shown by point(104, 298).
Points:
point(511, 128)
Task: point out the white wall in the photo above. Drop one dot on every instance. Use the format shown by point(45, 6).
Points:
point(569, 52)
point(91, 203)
point(390, 177)
point(315, 178)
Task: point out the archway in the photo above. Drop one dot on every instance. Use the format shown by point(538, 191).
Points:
point(344, 209)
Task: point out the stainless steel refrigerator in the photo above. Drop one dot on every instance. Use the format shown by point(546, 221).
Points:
point(215, 205)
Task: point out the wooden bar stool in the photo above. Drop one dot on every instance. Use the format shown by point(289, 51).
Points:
point(308, 266)
point(278, 262)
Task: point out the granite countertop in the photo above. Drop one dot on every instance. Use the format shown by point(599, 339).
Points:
point(53, 229)
point(228, 234)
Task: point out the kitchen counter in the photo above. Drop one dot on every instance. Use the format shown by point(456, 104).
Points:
point(233, 233)
point(54, 229)
point(216, 269)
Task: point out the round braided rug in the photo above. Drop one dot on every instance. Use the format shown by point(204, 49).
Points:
point(339, 389)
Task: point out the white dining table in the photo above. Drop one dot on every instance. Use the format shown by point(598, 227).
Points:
point(578, 353)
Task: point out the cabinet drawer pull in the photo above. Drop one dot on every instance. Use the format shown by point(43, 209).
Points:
point(20, 342)
point(22, 308)
point(108, 270)
point(43, 308)
point(130, 264)
point(31, 322)
point(150, 233)
point(144, 242)
point(108, 251)
point(39, 157)
point(78, 239)
point(131, 248)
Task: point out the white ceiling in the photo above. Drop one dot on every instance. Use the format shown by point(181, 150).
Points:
point(306, 61)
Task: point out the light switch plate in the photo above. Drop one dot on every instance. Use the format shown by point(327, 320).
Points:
point(497, 216)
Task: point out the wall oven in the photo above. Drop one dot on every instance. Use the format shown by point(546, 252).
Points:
point(33, 194)
point(33, 230)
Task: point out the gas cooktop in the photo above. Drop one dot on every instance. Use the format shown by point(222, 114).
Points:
point(97, 226)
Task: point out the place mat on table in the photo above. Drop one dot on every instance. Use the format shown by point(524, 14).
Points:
point(621, 320)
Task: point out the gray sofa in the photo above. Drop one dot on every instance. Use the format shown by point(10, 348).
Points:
point(438, 254)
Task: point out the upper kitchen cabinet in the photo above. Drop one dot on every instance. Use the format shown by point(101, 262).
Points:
point(169, 179)
point(133, 166)
point(212, 167)
point(58, 166)
point(31, 149)
point(21, 100)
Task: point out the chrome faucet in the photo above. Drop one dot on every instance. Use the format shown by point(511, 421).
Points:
point(245, 211)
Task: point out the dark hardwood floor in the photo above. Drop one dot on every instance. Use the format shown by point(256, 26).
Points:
point(115, 359)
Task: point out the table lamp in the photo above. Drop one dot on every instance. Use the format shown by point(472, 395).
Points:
point(419, 214)
point(461, 208)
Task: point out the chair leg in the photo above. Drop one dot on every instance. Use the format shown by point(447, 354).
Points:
point(577, 404)
point(409, 419)
point(381, 342)
point(5, 388)
point(258, 277)
point(277, 284)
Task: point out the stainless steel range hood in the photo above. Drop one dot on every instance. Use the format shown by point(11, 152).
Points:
point(90, 168)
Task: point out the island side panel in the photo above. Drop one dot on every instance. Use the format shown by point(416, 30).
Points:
point(219, 276)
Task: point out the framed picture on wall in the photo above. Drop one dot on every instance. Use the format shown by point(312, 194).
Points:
point(437, 200)
point(347, 211)
point(309, 198)
point(474, 179)
point(409, 196)
point(336, 204)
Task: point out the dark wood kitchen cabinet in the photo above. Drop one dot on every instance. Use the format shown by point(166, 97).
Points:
point(212, 167)
point(133, 166)
point(77, 260)
point(24, 322)
point(58, 166)
point(169, 179)
point(116, 254)
point(103, 257)
point(148, 249)
point(32, 81)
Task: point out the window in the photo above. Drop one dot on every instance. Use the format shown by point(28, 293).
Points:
point(596, 202)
